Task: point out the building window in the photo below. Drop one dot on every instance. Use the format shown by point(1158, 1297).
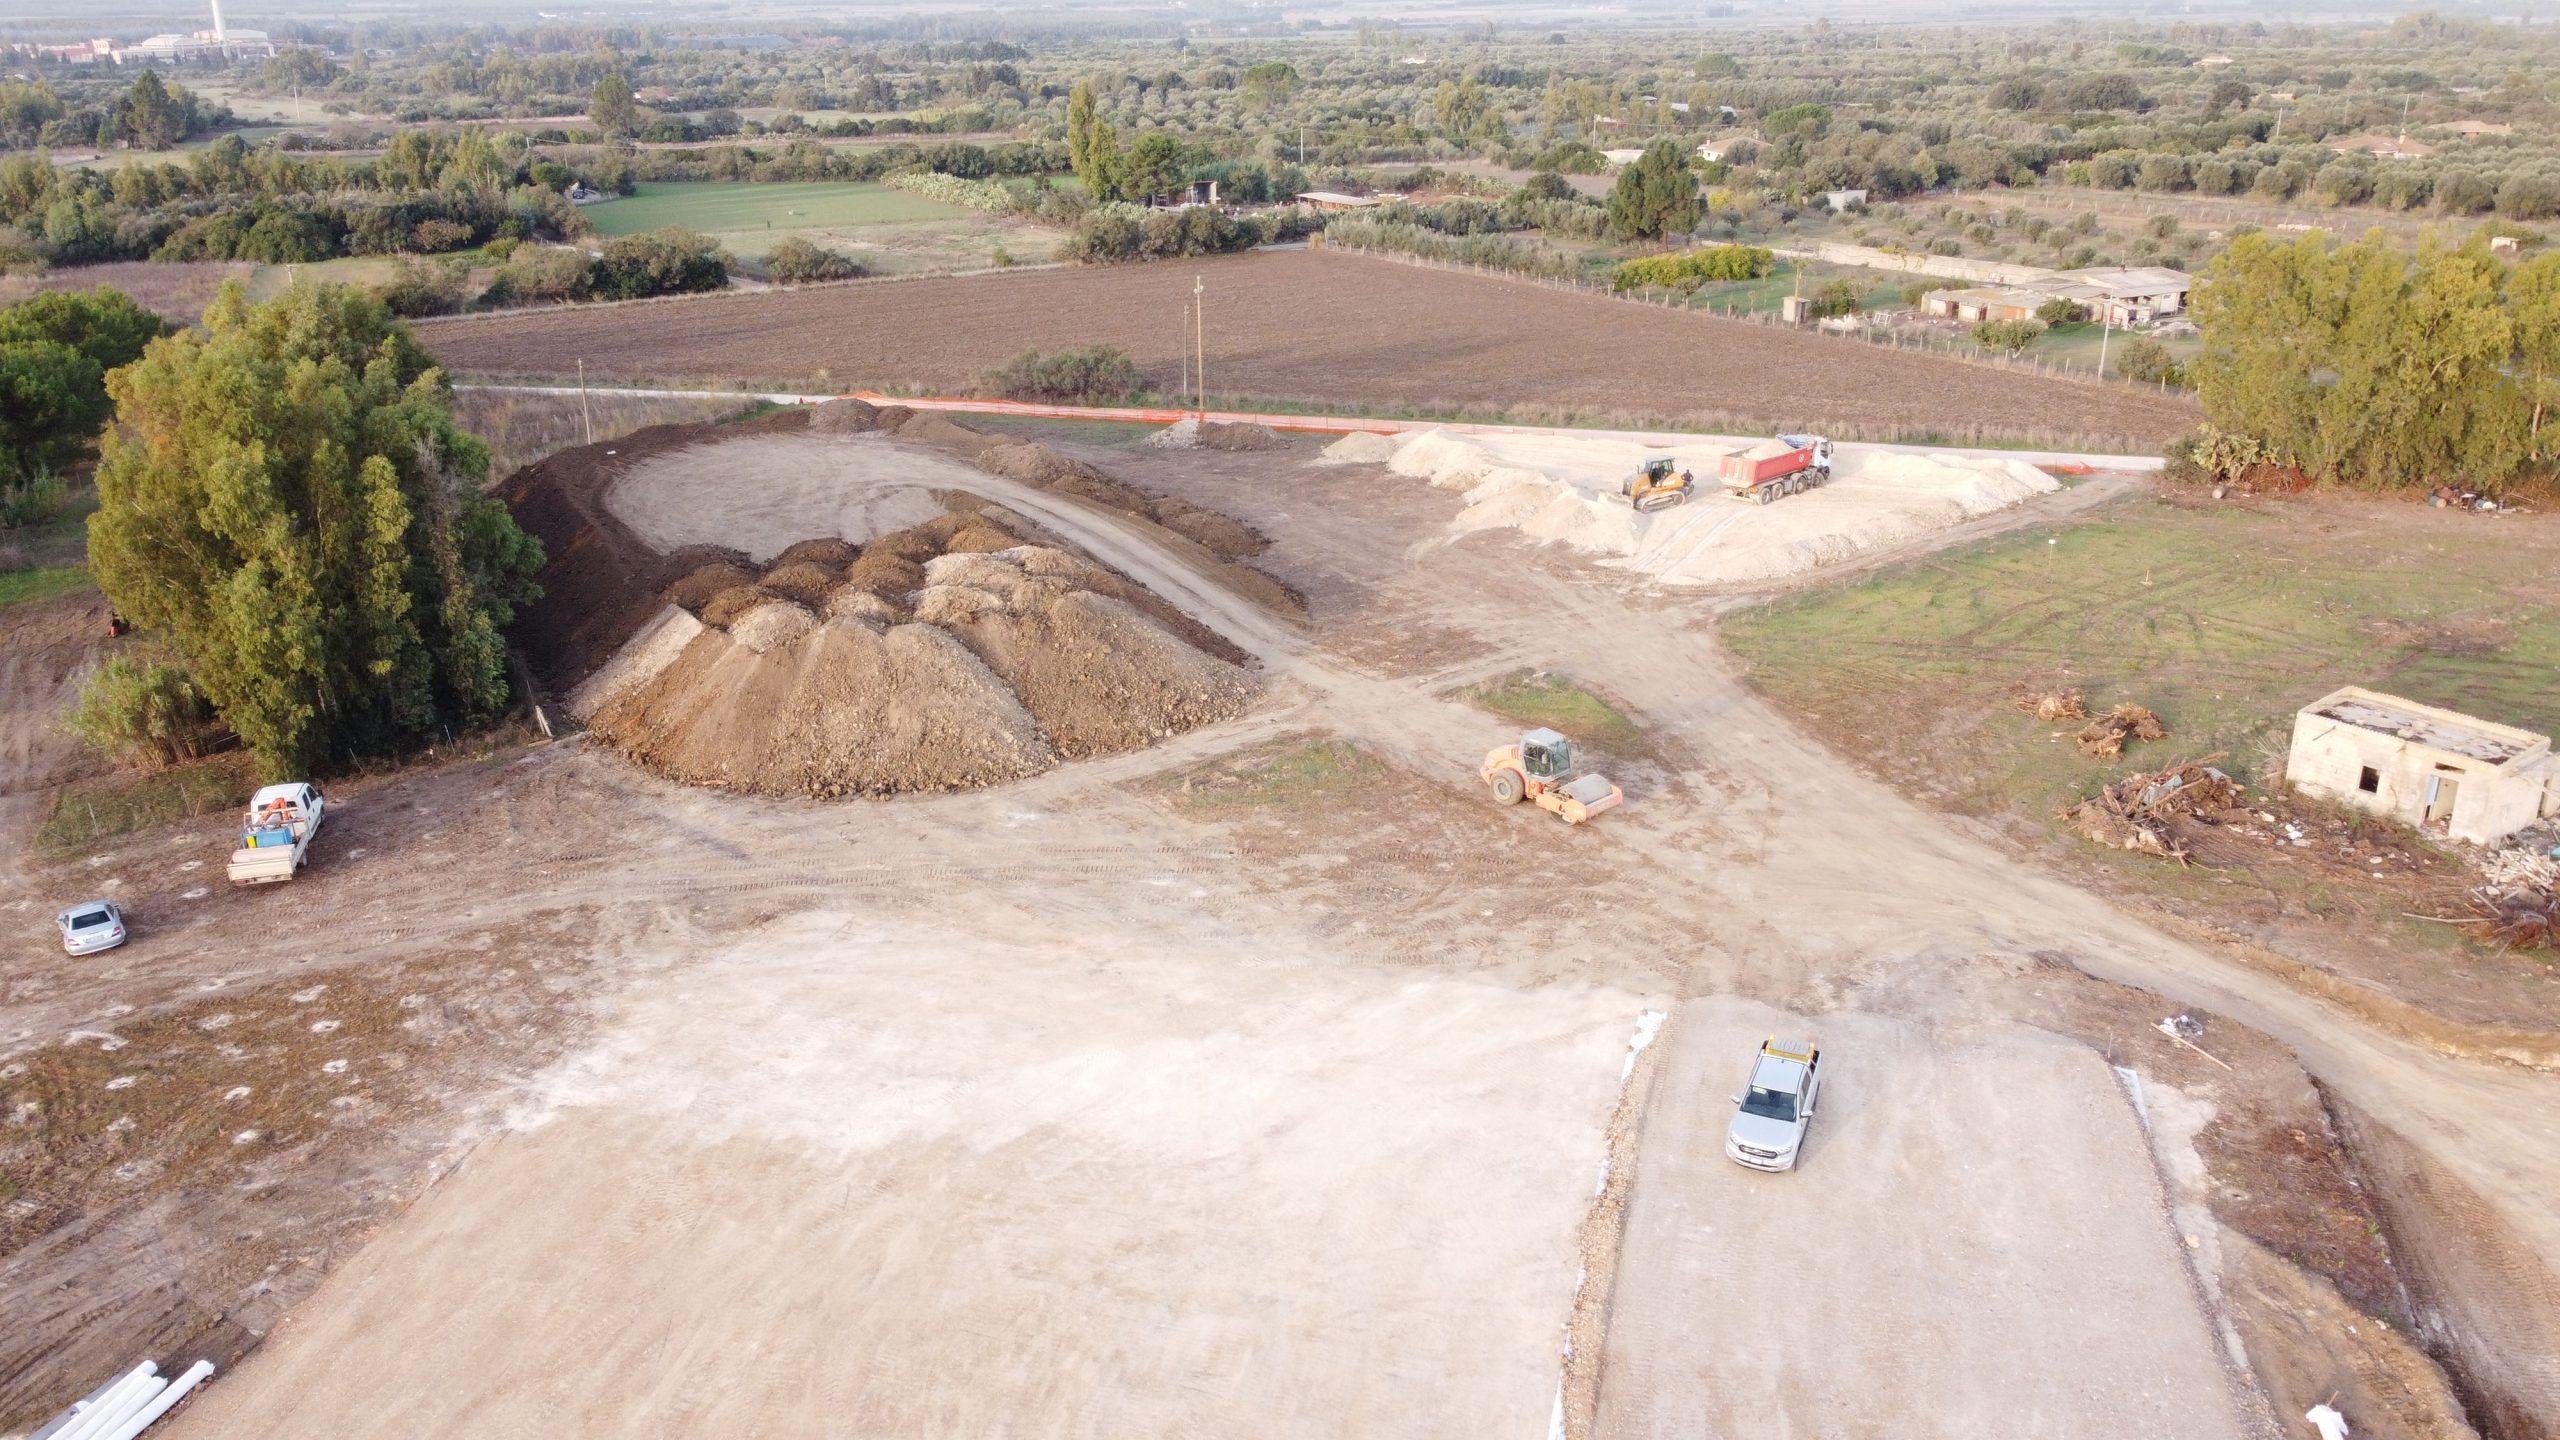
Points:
point(2369, 780)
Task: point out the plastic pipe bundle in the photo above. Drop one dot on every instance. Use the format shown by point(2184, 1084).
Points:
point(125, 1406)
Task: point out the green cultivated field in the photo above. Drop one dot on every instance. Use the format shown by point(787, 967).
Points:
point(714, 206)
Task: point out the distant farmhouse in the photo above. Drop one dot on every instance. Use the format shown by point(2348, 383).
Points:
point(2114, 294)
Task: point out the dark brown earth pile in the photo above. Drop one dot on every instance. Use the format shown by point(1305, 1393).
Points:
point(600, 583)
point(967, 651)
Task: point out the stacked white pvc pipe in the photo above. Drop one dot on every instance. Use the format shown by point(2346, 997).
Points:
point(127, 1405)
point(142, 1419)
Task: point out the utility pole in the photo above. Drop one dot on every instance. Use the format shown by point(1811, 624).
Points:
point(1200, 341)
point(2106, 321)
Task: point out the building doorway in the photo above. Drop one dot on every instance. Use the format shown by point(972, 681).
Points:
point(2442, 792)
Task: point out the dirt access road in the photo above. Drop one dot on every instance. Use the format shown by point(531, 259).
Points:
point(824, 1032)
point(1318, 327)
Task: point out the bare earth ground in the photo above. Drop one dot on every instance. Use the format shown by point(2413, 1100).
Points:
point(955, 1179)
point(1102, 1097)
point(1975, 1192)
point(764, 493)
point(1319, 327)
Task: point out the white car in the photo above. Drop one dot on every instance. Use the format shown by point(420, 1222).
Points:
point(1771, 1113)
point(91, 926)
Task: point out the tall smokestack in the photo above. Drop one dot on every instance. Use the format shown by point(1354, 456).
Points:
point(218, 36)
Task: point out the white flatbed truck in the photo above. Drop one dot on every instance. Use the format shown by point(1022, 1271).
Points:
point(275, 838)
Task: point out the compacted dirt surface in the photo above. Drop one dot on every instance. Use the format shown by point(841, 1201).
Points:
point(1321, 327)
point(1264, 1080)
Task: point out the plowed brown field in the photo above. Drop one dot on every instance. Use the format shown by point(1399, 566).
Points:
point(1322, 327)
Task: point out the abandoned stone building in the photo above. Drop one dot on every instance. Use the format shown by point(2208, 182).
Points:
point(2472, 779)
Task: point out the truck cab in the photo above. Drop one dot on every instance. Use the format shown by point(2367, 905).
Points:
point(1776, 1105)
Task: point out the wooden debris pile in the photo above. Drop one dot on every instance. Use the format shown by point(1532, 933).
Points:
point(2054, 705)
point(2136, 813)
point(2105, 736)
point(2518, 908)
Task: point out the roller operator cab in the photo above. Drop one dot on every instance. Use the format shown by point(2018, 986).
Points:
point(1540, 769)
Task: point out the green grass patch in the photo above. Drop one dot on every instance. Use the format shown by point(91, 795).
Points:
point(2224, 620)
point(714, 206)
point(1284, 772)
point(89, 811)
point(1542, 697)
point(27, 587)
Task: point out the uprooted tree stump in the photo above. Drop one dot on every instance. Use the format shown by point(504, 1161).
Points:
point(2050, 705)
point(2105, 736)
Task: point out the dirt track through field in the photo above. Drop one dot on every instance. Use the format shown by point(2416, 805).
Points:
point(1316, 327)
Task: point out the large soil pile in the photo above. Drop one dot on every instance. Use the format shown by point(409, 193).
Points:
point(965, 651)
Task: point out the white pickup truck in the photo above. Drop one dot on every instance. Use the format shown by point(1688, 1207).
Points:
point(276, 837)
point(1770, 1116)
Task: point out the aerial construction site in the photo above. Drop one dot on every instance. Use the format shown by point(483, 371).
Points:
point(994, 923)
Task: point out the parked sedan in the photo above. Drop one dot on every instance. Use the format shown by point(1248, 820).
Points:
point(91, 926)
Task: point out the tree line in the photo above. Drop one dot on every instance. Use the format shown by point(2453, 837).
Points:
point(2365, 365)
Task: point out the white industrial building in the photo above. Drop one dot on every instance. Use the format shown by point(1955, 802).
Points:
point(2472, 779)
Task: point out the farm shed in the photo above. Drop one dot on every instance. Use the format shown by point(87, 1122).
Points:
point(1333, 200)
point(2126, 294)
point(2473, 779)
point(1984, 303)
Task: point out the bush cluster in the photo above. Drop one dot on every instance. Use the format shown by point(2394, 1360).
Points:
point(1099, 376)
point(1688, 269)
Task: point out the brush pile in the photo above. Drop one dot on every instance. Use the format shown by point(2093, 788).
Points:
point(2138, 812)
point(2052, 705)
point(2518, 905)
point(2105, 736)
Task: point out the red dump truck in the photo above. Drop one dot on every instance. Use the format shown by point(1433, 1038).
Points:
point(1776, 467)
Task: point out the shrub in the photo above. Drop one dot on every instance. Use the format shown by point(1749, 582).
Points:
point(794, 261)
point(2139, 357)
point(955, 190)
point(30, 501)
point(1118, 231)
point(1570, 157)
point(146, 714)
point(2008, 336)
point(423, 287)
point(2058, 312)
point(670, 261)
point(1688, 269)
point(538, 274)
point(1099, 376)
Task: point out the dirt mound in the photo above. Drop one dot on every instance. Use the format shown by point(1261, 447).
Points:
point(1099, 676)
point(1218, 435)
point(841, 709)
point(725, 608)
point(707, 582)
point(844, 417)
point(805, 581)
point(600, 581)
point(1360, 447)
point(944, 654)
point(935, 428)
point(833, 553)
